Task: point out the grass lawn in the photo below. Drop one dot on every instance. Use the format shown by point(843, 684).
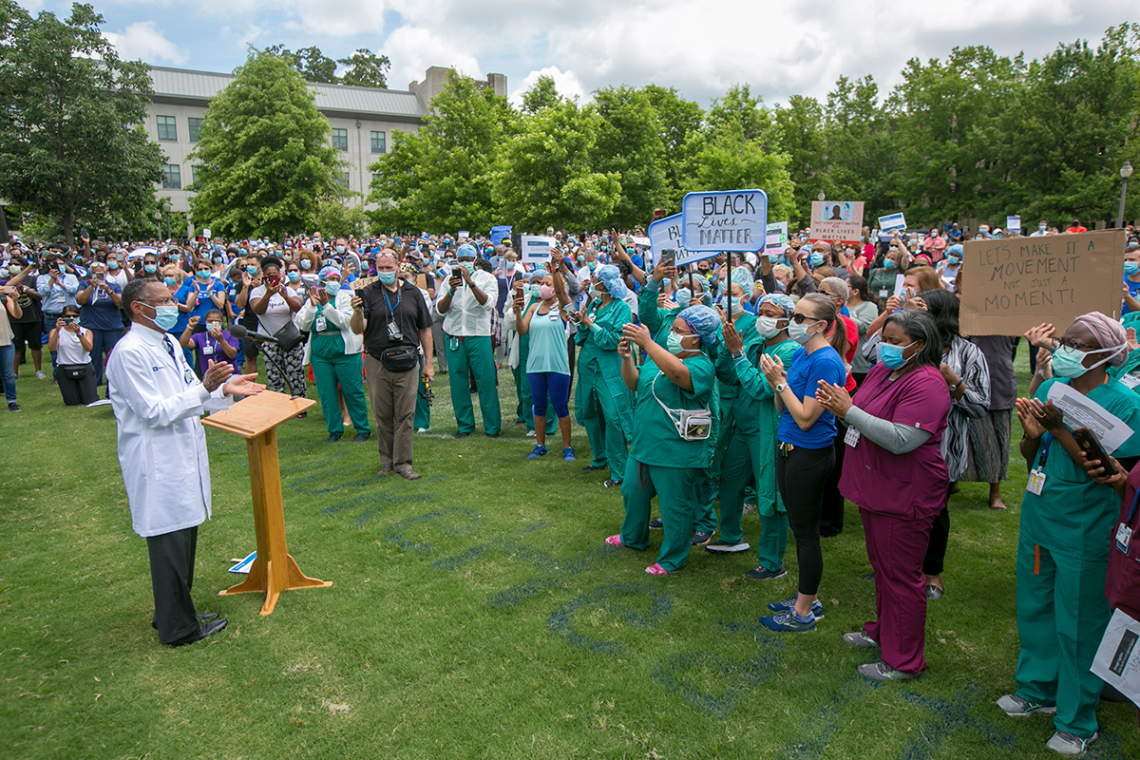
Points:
point(475, 613)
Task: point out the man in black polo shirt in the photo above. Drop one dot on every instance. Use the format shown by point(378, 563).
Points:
point(395, 322)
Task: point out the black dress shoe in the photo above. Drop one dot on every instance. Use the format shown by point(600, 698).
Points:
point(590, 468)
point(205, 617)
point(462, 435)
point(361, 437)
point(204, 630)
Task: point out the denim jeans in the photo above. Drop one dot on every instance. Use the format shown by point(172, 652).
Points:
point(7, 354)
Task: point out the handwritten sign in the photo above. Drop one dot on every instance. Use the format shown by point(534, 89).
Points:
point(1012, 284)
point(734, 220)
point(361, 283)
point(892, 222)
point(840, 221)
point(777, 238)
point(500, 233)
point(536, 248)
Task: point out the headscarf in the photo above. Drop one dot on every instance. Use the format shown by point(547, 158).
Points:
point(703, 321)
point(1108, 333)
point(610, 277)
point(326, 271)
point(780, 301)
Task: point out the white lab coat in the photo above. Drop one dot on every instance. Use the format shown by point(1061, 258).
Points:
point(340, 317)
point(467, 317)
point(157, 400)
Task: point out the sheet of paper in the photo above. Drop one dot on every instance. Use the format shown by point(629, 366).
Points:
point(245, 564)
point(1081, 411)
point(900, 285)
point(1117, 661)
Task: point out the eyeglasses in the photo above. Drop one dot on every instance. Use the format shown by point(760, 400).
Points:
point(159, 301)
point(1076, 345)
point(799, 319)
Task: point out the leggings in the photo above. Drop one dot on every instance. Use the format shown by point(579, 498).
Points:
point(933, 563)
point(557, 385)
point(801, 475)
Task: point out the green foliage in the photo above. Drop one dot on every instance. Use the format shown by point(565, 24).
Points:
point(336, 218)
point(264, 152)
point(309, 62)
point(730, 161)
point(64, 150)
point(365, 69)
point(801, 139)
point(628, 145)
point(679, 124)
point(543, 94)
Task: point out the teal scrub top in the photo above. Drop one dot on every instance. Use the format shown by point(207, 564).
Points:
point(655, 438)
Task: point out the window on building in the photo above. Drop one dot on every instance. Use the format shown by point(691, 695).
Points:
point(340, 139)
point(379, 142)
point(171, 177)
point(195, 129)
point(168, 128)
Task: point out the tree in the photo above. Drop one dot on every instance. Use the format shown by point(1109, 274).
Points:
point(628, 145)
point(309, 62)
point(859, 145)
point(66, 147)
point(801, 139)
point(679, 124)
point(264, 153)
point(441, 177)
point(544, 94)
point(365, 69)
point(730, 161)
point(740, 106)
point(546, 176)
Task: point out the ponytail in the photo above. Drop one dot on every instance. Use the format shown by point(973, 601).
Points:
point(826, 310)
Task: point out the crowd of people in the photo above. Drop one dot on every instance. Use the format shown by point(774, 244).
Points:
point(787, 382)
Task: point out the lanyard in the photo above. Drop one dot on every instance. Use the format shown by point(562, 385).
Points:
point(391, 311)
point(1044, 452)
point(1132, 511)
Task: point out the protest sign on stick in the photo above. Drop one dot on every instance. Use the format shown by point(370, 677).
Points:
point(1012, 284)
point(536, 248)
point(732, 220)
point(500, 233)
point(666, 233)
point(833, 221)
point(892, 222)
point(777, 239)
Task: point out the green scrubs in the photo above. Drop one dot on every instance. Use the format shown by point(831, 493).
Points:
point(1062, 560)
point(602, 403)
point(473, 352)
point(751, 451)
point(663, 464)
point(332, 366)
point(423, 408)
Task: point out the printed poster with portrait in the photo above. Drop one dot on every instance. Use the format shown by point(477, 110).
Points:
point(836, 221)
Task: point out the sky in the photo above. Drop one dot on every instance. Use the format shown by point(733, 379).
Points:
point(701, 49)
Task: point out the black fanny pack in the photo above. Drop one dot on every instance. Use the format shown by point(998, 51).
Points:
point(398, 358)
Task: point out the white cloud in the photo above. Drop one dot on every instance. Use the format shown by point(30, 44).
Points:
point(334, 18)
point(565, 81)
point(141, 40)
point(413, 50)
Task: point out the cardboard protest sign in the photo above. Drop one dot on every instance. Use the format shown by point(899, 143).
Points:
point(1012, 284)
point(360, 283)
point(642, 241)
point(892, 222)
point(500, 233)
point(1013, 224)
point(777, 238)
point(206, 233)
point(732, 220)
point(833, 221)
point(536, 248)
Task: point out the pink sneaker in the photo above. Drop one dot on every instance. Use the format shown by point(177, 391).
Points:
point(615, 540)
point(658, 570)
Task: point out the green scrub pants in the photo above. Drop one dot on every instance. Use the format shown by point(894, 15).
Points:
point(604, 431)
point(675, 489)
point(1061, 617)
point(331, 365)
point(423, 408)
point(473, 352)
point(738, 472)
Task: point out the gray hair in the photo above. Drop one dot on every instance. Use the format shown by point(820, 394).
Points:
point(838, 287)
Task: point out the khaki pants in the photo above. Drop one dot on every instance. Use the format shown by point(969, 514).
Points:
point(393, 396)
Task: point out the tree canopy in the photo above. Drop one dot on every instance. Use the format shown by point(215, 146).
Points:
point(363, 68)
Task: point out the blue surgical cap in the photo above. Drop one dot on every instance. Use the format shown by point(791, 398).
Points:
point(742, 278)
point(703, 321)
point(466, 250)
point(610, 277)
point(780, 301)
point(954, 250)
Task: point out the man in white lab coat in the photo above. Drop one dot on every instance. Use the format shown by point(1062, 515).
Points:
point(157, 400)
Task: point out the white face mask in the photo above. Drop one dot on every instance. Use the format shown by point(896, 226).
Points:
point(767, 327)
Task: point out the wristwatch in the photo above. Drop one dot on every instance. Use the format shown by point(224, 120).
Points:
point(780, 388)
point(954, 388)
point(737, 354)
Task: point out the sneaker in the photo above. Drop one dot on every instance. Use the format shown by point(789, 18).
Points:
point(421, 430)
point(615, 540)
point(40, 376)
point(656, 524)
point(933, 592)
point(790, 604)
point(590, 468)
point(13, 406)
point(302, 415)
point(407, 474)
point(611, 484)
point(1018, 707)
point(861, 640)
point(568, 454)
point(881, 671)
point(539, 451)
point(531, 434)
point(333, 438)
point(761, 573)
point(1065, 743)
point(700, 538)
point(725, 547)
point(748, 508)
point(787, 621)
point(361, 437)
point(656, 569)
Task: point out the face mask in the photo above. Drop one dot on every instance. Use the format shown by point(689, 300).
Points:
point(799, 333)
point(1068, 362)
point(150, 268)
point(112, 265)
point(469, 266)
point(952, 260)
point(674, 344)
point(545, 292)
point(816, 259)
point(767, 327)
point(1041, 227)
point(891, 356)
point(1131, 268)
point(683, 296)
point(510, 266)
point(204, 274)
point(251, 271)
point(305, 264)
point(218, 259)
point(332, 287)
point(13, 271)
point(340, 249)
point(890, 264)
point(214, 327)
point(165, 317)
point(293, 276)
point(169, 281)
point(592, 265)
point(600, 291)
point(386, 277)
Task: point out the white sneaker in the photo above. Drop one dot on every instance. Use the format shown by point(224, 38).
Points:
point(40, 376)
point(421, 430)
point(1016, 707)
point(1064, 743)
point(531, 434)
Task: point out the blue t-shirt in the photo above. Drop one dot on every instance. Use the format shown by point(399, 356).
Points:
point(205, 303)
point(804, 375)
point(1133, 288)
point(100, 312)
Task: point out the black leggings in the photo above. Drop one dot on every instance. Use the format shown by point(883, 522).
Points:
point(932, 564)
point(801, 476)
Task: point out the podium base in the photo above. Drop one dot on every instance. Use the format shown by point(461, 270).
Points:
point(263, 576)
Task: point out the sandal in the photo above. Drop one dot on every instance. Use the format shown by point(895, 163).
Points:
point(615, 540)
point(656, 569)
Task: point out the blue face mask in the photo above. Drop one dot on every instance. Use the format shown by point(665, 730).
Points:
point(251, 271)
point(817, 259)
point(150, 268)
point(952, 260)
point(305, 264)
point(293, 276)
point(1131, 268)
point(889, 264)
point(386, 277)
point(891, 356)
point(165, 317)
point(332, 287)
point(218, 259)
point(340, 249)
point(683, 296)
point(169, 281)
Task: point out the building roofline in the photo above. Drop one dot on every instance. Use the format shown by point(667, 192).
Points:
point(326, 84)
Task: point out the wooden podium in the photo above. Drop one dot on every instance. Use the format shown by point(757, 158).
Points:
point(255, 419)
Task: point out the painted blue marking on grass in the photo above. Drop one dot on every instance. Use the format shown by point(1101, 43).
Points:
point(948, 715)
point(737, 678)
point(608, 598)
point(508, 542)
point(816, 732)
point(558, 573)
point(395, 533)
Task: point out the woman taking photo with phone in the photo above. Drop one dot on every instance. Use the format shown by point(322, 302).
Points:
point(894, 472)
point(805, 454)
point(275, 303)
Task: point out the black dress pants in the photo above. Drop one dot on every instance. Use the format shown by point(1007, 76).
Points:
point(172, 576)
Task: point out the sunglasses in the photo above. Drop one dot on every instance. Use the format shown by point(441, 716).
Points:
point(799, 319)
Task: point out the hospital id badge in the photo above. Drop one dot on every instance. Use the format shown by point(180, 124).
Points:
point(321, 324)
point(1036, 482)
point(852, 437)
point(394, 332)
point(1130, 381)
point(207, 350)
point(1123, 537)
